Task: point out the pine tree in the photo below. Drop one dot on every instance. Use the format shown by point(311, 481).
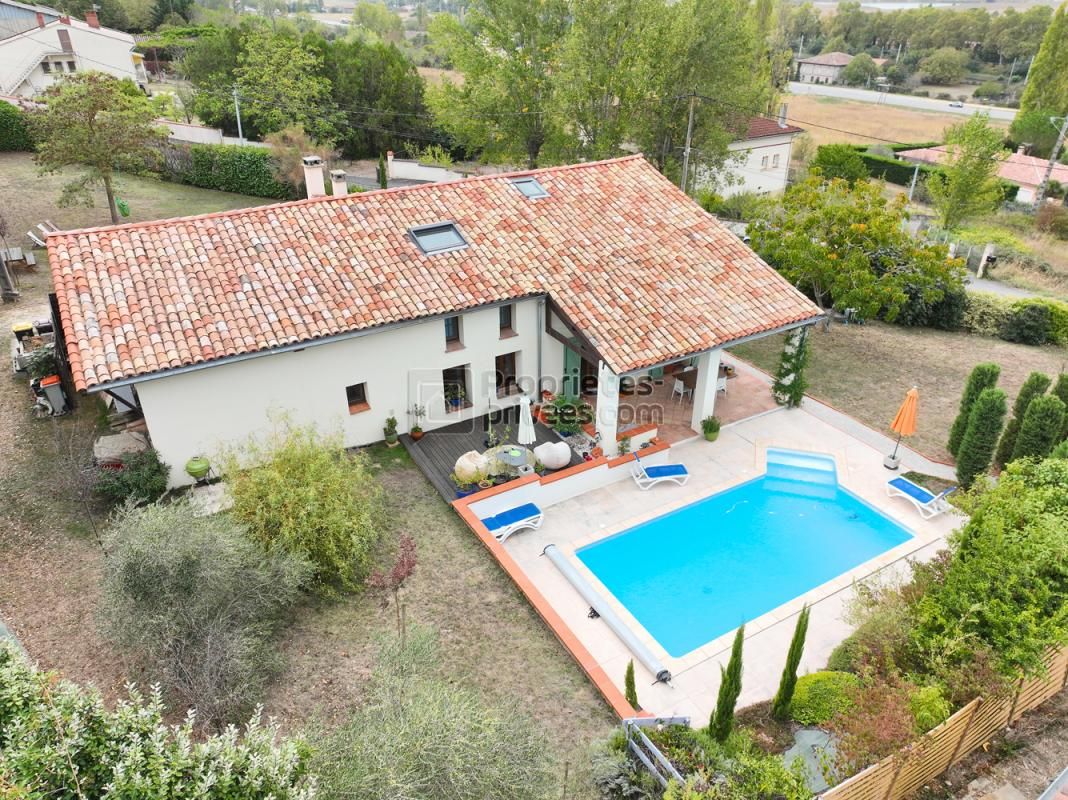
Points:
point(983, 376)
point(780, 706)
point(1040, 428)
point(1047, 85)
point(981, 436)
point(730, 686)
point(1060, 389)
point(1036, 384)
point(630, 691)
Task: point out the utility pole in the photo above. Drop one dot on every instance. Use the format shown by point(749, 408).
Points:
point(237, 110)
point(897, 58)
point(801, 47)
point(686, 149)
point(915, 177)
point(1012, 71)
point(1040, 195)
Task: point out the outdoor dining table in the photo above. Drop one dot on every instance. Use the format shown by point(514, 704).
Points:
point(689, 376)
point(513, 456)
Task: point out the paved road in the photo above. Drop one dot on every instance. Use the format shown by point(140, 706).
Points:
point(903, 100)
point(997, 287)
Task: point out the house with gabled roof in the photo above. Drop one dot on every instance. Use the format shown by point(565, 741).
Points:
point(346, 310)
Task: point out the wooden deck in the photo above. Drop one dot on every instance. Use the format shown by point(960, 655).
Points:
point(436, 453)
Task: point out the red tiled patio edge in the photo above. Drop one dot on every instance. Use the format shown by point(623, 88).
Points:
point(611, 693)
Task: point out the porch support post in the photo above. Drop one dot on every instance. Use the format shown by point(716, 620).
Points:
point(704, 393)
point(607, 408)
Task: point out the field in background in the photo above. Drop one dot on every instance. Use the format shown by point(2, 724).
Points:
point(434, 76)
point(867, 120)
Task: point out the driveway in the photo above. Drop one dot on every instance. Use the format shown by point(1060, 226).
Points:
point(903, 100)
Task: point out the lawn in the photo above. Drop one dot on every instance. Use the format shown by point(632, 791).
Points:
point(148, 197)
point(865, 371)
point(867, 120)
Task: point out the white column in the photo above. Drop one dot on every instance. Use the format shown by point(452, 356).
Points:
point(704, 393)
point(607, 408)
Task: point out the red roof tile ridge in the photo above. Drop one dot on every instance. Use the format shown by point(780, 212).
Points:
point(147, 224)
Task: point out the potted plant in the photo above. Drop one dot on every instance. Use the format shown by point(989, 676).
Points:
point(454, 395)
point(485, 482)
point(416, 431)
point(390, 431)
point(463, 488)
point(567, 415)
point(710, 428)
point(624, 445)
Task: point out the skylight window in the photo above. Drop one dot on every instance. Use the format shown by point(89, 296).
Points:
point(439, 238)
point(530, 188)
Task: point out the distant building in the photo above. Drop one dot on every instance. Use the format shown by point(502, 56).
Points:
point(39, 45)
point(760, 162)
point(1023, 170)
point(824, 68)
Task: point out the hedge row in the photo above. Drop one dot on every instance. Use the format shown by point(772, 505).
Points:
point(14, 132)
point(228, 168)
point(1034, 321)
point(893, 170)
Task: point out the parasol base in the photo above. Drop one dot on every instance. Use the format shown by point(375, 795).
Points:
point(892, 462)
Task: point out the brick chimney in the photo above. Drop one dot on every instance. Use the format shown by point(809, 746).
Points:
point(313, 176)
point(64, 19)
point(40, 20)
point(91, 19)
point(339, 183)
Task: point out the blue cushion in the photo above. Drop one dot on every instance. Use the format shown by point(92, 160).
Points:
point(665, 470)
point(912, 490)
point(512, 516)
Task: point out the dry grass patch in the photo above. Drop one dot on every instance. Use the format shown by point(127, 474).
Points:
point(865, 370)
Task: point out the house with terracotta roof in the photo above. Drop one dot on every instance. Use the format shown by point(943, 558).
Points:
point(759, 162)
point(343, 311)
point(823, 68)
point(1019, 168)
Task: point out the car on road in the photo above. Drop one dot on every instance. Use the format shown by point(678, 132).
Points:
point(956, 104)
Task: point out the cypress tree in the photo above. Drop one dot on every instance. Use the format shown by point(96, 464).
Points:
point(780, 706)
point(383, 173)
point(981, 437)
point(730, 686)
point(1040, 428)
point(1060, 389)
point(1047, 84)
point(1036, 384)
point(983, 376)
point(630, 691)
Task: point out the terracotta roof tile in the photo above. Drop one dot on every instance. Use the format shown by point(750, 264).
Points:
point(639, 267)
point(1017, 168)
point(759, 127)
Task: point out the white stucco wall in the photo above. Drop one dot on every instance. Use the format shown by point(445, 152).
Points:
point(760, 165)
point(818, 73)
point(193, 413)
point(99, 49)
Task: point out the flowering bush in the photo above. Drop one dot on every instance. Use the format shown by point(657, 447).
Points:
point(789, 388)
point(58, 740)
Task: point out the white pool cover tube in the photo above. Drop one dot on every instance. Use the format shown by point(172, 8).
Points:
point(598, 604)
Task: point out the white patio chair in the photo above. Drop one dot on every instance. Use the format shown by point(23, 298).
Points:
point(681, 389)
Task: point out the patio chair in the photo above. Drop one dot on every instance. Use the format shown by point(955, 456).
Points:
point(647, 477)
point(681, 389)
point(513, 520)
point(929, 505)
point(721, 384)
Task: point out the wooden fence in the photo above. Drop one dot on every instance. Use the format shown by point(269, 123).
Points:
point(901, 774)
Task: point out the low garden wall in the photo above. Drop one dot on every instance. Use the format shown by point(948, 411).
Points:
point(901, 774)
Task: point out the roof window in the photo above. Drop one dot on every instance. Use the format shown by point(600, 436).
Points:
point(438, 238)
point(530, 188)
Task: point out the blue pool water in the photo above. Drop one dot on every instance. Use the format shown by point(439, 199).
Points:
point(702, 570)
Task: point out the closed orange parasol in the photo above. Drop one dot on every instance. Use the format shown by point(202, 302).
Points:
point(904, 424)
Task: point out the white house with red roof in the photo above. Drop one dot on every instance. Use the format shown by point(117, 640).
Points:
point(1023, 170)
point(39, 45)
point(343, 311)
point(823, 68)
point(759, 163)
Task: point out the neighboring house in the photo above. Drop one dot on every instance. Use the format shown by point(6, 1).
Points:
point(1023, 170)
point(759, 163)
point(39, 45)
point(345, 310)
point(824, 68)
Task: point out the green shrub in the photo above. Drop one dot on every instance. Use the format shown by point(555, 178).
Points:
point(739, 770)
point(231, 168)
point(983, 376)
point(847, 656)
point(1060, 389)
point(306, 495)
point(820, 696)
point(1041, 428)
point(630, 690)
point(945, 314)
point(989, 89)
point(1028, 324)
point(980, 440)
point(1060, 451)
point(839, 161)
point(142, 479)
point(1058, 317)
point(985, 314)
point(197, 601)
point(14, 132)
point(879, 722)
point(929, 708)
point(59, 740)
point(417, 735)
point(1036, 384)
point(42, 362)
point(730, 686)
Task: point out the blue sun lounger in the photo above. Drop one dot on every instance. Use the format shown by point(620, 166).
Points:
point(647, 477)
point(928, 503)
point(515, 519)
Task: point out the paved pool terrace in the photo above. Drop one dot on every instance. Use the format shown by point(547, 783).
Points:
point(578, 516)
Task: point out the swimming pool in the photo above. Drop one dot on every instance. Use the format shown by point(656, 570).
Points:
point(700, 571)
